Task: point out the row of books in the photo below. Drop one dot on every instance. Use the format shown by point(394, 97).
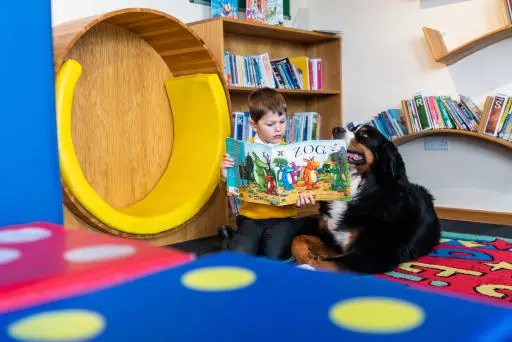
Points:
point(388, 122)
point(263, 11)
point(424, 112)
point(260, 71)
point(497, 117)
point(301, 126)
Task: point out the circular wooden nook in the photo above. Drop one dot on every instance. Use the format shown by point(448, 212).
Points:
point(145, 75)
point(417, 135)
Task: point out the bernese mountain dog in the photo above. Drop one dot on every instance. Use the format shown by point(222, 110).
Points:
point(388, 221)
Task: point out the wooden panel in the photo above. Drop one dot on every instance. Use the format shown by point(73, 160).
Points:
point(253, 29)
point(329, 107)
point(436, 42)
point(210, 34)
point(167, 35)
point(204, 224)
point(125, 118)
point(484, 216)
point(442, 55)
point(122, 121)
point(330, 53)
point(244, 45)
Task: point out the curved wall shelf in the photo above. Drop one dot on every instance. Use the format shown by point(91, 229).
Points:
point(441, 54)
point(417, 135)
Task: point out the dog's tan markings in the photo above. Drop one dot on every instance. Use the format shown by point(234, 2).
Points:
point(322, 223)
point(306, 248)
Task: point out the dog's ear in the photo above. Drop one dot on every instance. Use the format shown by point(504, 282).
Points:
point(391, 164)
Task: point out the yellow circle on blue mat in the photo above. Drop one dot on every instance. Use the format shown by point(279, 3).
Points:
point(218, 278)
point(377, 315)
point(64, 325)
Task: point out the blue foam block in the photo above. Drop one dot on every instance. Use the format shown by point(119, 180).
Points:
point(283, 303)
point(29, 176)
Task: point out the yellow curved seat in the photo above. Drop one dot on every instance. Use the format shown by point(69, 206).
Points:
point(201, 124)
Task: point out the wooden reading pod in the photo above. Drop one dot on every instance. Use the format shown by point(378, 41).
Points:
point(142, 112)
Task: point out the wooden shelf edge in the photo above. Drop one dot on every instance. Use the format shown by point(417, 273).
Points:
point(299, 92)
point(418, 135)
point(250, 28)
point(441, 54)
point(474, 215)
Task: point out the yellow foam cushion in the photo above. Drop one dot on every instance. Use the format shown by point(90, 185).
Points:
point(201, 124)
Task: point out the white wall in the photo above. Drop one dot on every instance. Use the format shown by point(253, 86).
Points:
point(64, 10)
point(386, 59)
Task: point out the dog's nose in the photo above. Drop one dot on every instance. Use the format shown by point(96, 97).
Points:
point(337, 132)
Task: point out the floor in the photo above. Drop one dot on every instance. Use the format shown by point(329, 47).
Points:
point(212, 244)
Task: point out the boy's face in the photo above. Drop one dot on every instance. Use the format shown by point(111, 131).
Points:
point(271, 127)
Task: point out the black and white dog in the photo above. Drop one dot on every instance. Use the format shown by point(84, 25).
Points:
point(388, 221)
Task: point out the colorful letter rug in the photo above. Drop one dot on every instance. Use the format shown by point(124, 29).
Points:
point(474, 265)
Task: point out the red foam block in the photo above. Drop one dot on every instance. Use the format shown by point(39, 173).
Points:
point(42, 262)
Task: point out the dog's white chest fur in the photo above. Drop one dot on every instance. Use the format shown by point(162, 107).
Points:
point(338, 208)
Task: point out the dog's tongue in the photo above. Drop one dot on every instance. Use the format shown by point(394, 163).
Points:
point(355, 158)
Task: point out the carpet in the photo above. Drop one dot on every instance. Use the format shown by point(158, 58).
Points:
point(462, 264)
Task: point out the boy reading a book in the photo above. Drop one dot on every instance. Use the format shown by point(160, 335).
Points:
point(271, 228)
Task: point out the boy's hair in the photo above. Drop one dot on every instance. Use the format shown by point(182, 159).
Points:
point(265, 100)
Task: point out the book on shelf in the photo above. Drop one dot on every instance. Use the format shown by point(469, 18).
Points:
point(258, 70)
point(275, 14)
point(497, 117)
point(256, 10)
point(300, 126)
point(390, 123)
point(224, 8)
point(276, 175)
point(425, 112)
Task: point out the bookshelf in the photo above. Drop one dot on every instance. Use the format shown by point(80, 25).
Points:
point(478, 133)
point(247, 38)
point(442, 131)
point(441, 54)
point(401, 126)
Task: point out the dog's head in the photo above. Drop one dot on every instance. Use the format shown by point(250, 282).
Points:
point(370, 151)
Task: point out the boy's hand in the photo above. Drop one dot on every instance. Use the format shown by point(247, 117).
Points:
point(305, 200)
point(226, 163)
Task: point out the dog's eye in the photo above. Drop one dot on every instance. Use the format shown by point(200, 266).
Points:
point(363, 135)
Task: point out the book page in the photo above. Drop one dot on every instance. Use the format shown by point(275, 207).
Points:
point(317, 167)
point(253, 178)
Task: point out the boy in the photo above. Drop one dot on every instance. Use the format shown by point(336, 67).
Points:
point(259, 225)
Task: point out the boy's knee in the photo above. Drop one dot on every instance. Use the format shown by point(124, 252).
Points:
point(242, 244)
point(278, 252)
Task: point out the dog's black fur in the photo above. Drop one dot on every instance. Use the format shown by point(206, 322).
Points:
point(395, 218)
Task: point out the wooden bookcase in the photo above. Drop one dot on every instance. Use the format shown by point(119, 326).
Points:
point(246, 38)
point(441, 54)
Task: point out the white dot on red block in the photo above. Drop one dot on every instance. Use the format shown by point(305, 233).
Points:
point(99, 253)
point(21, 235)
point(8, 255)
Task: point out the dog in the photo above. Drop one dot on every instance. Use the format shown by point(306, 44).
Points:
point(388, 220)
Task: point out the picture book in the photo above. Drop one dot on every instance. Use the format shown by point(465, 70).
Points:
point(225, 8)
point(275, 12)
point(256, 10)
point(276, 175)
